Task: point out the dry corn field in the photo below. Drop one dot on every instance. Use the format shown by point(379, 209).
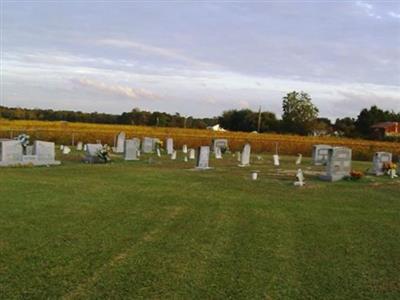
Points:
point(68, 133)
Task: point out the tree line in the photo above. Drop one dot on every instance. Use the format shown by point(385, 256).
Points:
point(299, 116)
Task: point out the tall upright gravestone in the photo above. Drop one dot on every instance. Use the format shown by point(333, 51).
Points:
point(131, 149)
point(203, 157)
point(170, 146)
point(120, 142)
point(147, 145)
point(320, 154)
point(338, 165)
point(245, 156)
point(192, 154)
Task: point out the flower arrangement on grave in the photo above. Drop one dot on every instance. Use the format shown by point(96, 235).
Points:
point(103, 154)
point(390, 168)
point(356, 175)
point(24, 140)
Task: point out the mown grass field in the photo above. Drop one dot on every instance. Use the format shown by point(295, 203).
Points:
point(159, 231)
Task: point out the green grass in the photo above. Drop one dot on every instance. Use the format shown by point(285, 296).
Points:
point(160, 230)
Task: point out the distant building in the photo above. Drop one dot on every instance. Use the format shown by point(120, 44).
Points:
point(216, 128)
point(386, 129)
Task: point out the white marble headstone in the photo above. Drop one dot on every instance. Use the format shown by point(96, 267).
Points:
point(170, 146)
point(203, 158)
point(192, 154)
point(245, 156)
point(120, 142)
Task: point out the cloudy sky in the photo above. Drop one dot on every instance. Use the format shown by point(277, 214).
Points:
point(200, 58)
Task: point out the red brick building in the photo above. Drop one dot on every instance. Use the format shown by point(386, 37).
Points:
point(385, 129)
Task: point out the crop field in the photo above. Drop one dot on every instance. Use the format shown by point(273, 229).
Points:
point(68, 133)
point(157, 229)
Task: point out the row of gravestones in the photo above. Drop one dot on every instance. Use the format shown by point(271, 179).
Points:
point(338, 161)
point(149, 145)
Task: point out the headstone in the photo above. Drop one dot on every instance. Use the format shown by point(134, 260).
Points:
point(184, 149)
point(158, 152)
point(185, 158)
point(239, 156)
point(45, 152)
point(379, 161)
point(131, 149)
point(276, 160)
point(79, 146)
point(338, 165)
point(220, 143)
point(203, 157)
point(218, 153)
point(66, 150)
point(245, 156)
point(320, 154)
point(61, 147)
point(147, 145)
point(170, 146)
point(91, 154)
point(300, 178)
point(138, 153)
point(120, 142)
point(173, 156)
point(299, 159)
point(85, 147)
point(192, 154)
point(10, 152)
point(254, 175)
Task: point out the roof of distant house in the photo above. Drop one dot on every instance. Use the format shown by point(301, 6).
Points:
point(384, 125)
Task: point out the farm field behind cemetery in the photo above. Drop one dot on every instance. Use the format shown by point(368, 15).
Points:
point(65, 133)
point(161, 230)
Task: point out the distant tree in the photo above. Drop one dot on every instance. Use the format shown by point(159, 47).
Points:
point(299, 113)
point(346, 127)
point(247, 120)
point(369, 117)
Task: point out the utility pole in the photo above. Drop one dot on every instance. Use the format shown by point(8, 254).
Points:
point(259, 120)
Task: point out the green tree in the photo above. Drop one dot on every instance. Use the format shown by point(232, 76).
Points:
point(299, 113)
point(369, 117)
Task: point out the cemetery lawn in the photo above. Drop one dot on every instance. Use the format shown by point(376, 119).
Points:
point(159, 230)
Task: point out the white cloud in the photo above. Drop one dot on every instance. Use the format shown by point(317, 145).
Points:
point(368, 9)
point(133, 93)
point(153, 50)
point(394, 15)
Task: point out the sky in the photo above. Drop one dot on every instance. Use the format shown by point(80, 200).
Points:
point(200, 58)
